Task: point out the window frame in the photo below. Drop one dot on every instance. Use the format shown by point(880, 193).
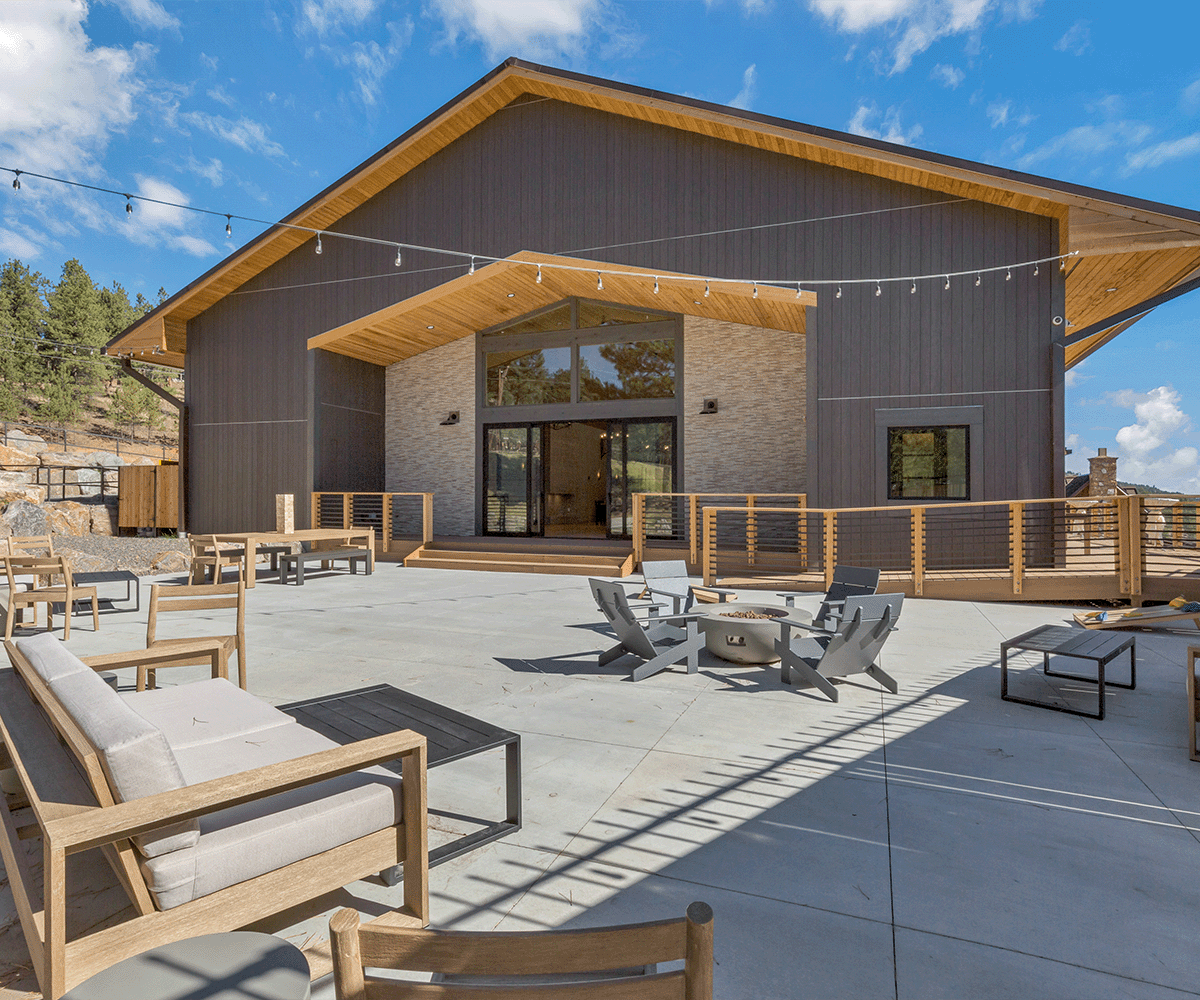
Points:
point(904, 429)
point(970, 417)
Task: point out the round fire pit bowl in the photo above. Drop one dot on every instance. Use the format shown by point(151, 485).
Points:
point(743, 633)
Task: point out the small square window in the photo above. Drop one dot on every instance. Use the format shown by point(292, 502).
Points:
point(929, 463)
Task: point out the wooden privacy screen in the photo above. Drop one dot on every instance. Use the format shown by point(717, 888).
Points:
point(148, 496)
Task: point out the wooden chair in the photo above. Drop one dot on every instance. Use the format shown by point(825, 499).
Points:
point(28, 545)
point(200, 597)
point(43, 570)
point(209, 560)
point(566, 956)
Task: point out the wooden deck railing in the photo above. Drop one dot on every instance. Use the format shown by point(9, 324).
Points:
point(675, 518)
point(1126, 547)
point(398, 517)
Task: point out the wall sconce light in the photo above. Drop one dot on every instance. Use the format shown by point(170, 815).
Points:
point(709, 406)
point(451, 418)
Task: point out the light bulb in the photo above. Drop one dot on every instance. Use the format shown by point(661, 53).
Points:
point(878, 290)
point(656, 285)
point(1035, 270)
point(947, 288)
point(706, 288)
point(599, 282)
point(399, 258)
point(913, 289)
point(128, 206)
point(318, 243)
point(17, 180)
point(539, 277)
point(797, 289)
point(839, 292)
point(228, 226)
point(755, 290)
point(978, 280)
point(472, 270)
point(1008, 275)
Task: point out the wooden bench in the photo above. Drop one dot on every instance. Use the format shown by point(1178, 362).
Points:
point(56, 789)
point(296, 560)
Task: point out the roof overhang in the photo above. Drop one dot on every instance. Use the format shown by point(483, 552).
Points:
point(1140, 248)
point(506, 289)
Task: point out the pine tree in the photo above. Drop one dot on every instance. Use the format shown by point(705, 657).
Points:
point(23, 326)
point(76, 325)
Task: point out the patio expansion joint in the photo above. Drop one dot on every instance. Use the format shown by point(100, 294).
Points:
point(1191, 831)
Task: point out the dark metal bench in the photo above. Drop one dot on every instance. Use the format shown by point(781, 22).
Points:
point(296, 560)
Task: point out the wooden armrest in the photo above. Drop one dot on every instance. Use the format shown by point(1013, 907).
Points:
point(127, 819)
point(154, 656)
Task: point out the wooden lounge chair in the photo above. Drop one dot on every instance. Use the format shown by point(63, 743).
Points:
point(27, 545)
point(1178, 610)
point(658, 646)
point(848, 581)
point(43, 571)
point(199, 597)
point(668, 581)
point(852, 649)
point(214, 809)
point(469, 965)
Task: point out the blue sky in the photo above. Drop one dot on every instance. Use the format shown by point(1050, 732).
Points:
point(251, 108)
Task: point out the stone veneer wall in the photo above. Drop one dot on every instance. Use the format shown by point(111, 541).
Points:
point(756, 441)
point(420, 454)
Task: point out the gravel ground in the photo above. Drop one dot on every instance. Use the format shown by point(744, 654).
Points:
point(143, 556)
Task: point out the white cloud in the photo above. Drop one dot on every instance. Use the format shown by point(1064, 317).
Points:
point(536, 29)
point(1147, 453)
point(213, 171)
point(1072, 440)
point(1190, 98)
point(1085, 141)
point(1075, 377)
point(914, 25)
point(209, 61)
point(15, 245)
point(891, 130)
point(998, 112)
point(244, 133)
point(222, 96)
point(1154, 156)
point(1077, 40)
point(151, 224)
point(61, 98)
point(947, 76)
point(146, 14)
point(369, 62)
point(745, 97)
point(322, 17)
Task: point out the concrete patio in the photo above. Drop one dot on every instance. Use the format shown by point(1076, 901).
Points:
point(938, 843)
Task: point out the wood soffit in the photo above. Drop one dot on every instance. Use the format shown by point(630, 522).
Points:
point(1126, 238)
point(507, 289)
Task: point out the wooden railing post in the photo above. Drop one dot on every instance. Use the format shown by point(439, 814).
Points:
point(802, 532)
point(426, 518)
point(918, 550)
point(1136, 548)
point(1016, 545)
point(710, 547)
point(1087, 530)
point(694, 527)
point(386, 500)
point(638, 532)
point(1121, 548)
point(314, 511)
point(347, 503)
point(830, 544)
point(751, 529)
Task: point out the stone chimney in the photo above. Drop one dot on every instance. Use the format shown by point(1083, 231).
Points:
point(1102, 475)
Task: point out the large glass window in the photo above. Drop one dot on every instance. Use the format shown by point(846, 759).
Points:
point(644, 369)
point(929, 462)
point(528, 377)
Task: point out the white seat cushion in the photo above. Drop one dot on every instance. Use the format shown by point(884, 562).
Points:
point(50, 658)
point(205, 712)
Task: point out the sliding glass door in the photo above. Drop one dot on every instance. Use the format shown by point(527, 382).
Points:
point(641, 460)
point(513, 480)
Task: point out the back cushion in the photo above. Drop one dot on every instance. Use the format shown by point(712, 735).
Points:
point(134, 754)
point(50, 658)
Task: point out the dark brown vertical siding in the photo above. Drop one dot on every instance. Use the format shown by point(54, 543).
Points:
point(348, 416)
point(552, 177)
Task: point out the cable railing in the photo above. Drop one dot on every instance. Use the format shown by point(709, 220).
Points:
point(676, 518)
point(1085, 548)
point(396, 517)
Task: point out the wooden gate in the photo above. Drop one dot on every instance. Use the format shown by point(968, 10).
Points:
point(148, 496)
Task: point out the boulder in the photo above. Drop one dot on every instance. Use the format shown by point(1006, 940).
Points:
point(99, 458)
point(15, 458)
point(60, 458)
point(24, 518)
point(26, 441)
point(141, 460)
point(30, 494)
point(68, 518)
point(170, 562)
point(9, 480)
point(104, 519)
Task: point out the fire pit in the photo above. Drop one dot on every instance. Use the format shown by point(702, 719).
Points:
point(746, 635)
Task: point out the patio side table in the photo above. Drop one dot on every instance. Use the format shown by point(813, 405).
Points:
point(450, 735)
point(1058, 640)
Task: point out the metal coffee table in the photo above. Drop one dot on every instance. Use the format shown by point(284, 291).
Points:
point(1058, 640)
point(372, 711)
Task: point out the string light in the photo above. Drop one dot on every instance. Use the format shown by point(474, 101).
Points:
point(1035, 270)
point(1008, 275)
point(706, 288)
point(399, 257)
point(319, 243)
point(878, 289)
point(228, 226)
point(128, 206)
point(472, 270)
point(656, 284)
point(599, 282)
point(978, 280)
point(539, 277)
point(17, 180)
point(797, 289)
point(839, 292)
point(947, 288)
point(756, 289)
point(913, 289)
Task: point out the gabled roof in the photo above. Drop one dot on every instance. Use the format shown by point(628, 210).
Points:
point(1134, 247)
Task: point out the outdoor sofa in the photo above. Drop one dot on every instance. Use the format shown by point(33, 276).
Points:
point(214, 809)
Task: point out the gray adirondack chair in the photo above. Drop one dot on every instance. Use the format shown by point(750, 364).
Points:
point(668, 580)
point(848, 581)
point(659, 646)
point(852, 649)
